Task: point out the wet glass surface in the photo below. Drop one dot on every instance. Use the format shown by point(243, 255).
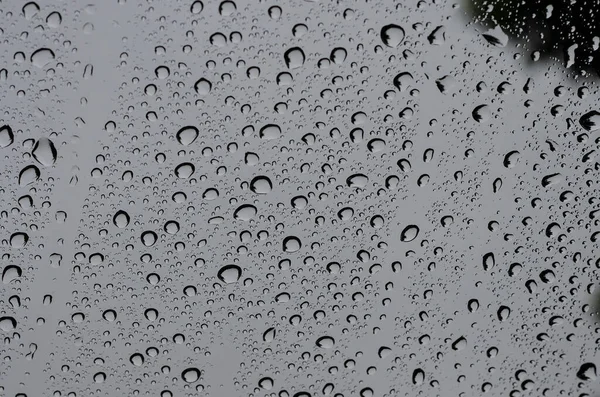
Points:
point(299, 198)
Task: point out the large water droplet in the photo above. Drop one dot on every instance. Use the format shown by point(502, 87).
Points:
point(10, 273)
point(261, 185)
point(496, 37)
point(29, 175)
point(121, 219)
point(19, 240)
point(409, 233)
point(291, 244)
point(269, 132)
point(7, 137)
point(137, 359)
point(42, 57)
point(590, 121)
point(294, 58)
point(7, 323)
point(203, 86)
point(587, 371)
point(229, 274)
point(392, 35)
point(184, 170)
point(245, 212)
point(325, 342)
point(187, 135)
point(149, 238)
point(44, 152)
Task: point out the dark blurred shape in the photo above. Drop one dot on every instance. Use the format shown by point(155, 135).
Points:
point(562, 29)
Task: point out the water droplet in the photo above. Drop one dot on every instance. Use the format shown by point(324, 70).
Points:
point(392, 35)
point(459, 344)
point(294, 58)
point(590, 121)
point(19, 240)
point(203, 87)
point(488, 261)
point(496, 37)
point(587, 371)
point(44, 152)
point(229, 274)
point(226, 8)
point(503, 313)
point(338, 55)
point(187, 135)
point(184, 170)
point(29, 175)
point(418, 376)
point(261, 185)
point(171, 227)
point(136, 359)
point(325, 342)
point(511, 159)
point(121, 219)
point(197, 7)
point(30, 10)
point(269, 335)
point(10, 273)
point(409, 233)
point(269, 132)
point(266, 383)
point(245, 212)
point(357, 181)
point(6, 136)
point(482, 113)
point(42, 57)
point(291, 244)
point(7, 323)
point(149, 238)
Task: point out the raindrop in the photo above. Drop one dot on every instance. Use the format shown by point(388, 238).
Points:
point(184, 170)
point(229, 274)
point(294, 58)
point(245, 212)
point(325, 342)
point(392, 35)
point(187, 135)
point(261, 185)
point(10, 273)
point(29, 175)
point(203, 87)
point(409, 233)
point(6, 136)
point(44, 152)
point(291, 244)
point(42, 57)
point(121, 219)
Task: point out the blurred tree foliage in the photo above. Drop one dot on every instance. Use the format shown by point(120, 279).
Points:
point(566, 30)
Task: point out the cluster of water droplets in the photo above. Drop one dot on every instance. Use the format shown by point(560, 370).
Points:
point(293, 200)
